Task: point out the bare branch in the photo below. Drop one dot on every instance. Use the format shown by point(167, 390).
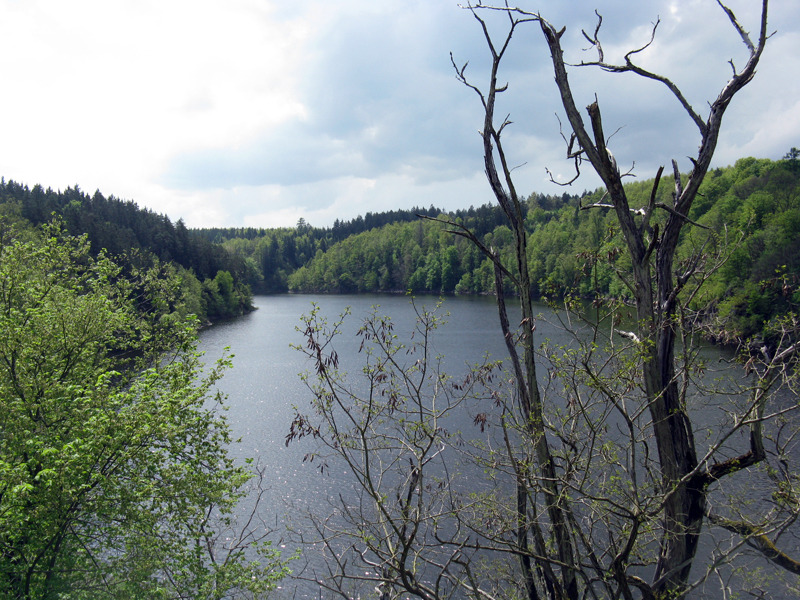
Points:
point(629, 66)
point(672, 211)
point(463, 79)
point(595, 40)
point(563, 183)
point(652, 202)
point(647, 45)
point(676, 173)
point(597, 205)
point(571, 154)
point(757, 539)
point(742, 33)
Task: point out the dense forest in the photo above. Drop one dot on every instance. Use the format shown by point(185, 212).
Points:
point(214, 281)
point(748, 218)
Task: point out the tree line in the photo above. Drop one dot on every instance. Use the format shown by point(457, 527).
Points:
point(574, 248)
point(214, 282)
point(755, 203)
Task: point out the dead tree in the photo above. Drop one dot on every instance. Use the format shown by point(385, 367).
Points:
point(656, 284)
point(595, 484)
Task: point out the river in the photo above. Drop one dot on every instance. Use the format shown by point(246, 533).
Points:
point(264, 385)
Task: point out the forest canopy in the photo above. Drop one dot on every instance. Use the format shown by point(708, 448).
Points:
point(754, 204)
point(115, 474)
point(214, 283)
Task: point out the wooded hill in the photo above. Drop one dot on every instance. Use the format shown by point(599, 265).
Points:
point(748, 217)
point(749, 224)
point(214, 281)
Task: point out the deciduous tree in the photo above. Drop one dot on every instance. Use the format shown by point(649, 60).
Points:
point(115, 480)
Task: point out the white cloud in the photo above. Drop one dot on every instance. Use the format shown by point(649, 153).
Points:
point(106, 91)
point(256, 112)
point(766, 118)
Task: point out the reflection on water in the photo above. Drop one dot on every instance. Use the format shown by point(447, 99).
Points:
point(264, 386)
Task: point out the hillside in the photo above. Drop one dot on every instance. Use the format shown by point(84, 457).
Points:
point(747, 217)
point(749, 227)
point(214, 281)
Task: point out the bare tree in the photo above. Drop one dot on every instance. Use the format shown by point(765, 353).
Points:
point(596, 485)
point(396, 532)
point(656, 283)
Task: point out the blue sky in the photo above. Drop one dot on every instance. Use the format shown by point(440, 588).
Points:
point(256, 113)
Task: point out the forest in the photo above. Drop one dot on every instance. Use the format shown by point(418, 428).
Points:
point(753, 207)
point(214, 282)
point(574, 248)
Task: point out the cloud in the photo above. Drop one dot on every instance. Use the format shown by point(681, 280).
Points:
point(374, 95)
point(106, 91)
point(228, 113)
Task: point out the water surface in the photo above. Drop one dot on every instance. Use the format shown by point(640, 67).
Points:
point(264, 386)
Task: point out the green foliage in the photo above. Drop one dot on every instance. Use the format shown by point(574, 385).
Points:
point(133, 236)
point(755, 203)
point(751, 212)
point(422, 255)
point(115, 481)
point(223, 297)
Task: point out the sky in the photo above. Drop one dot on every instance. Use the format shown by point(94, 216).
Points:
point(255, 113)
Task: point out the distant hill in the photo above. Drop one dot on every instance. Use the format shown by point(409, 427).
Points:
point(130, 233)
point(747, 217)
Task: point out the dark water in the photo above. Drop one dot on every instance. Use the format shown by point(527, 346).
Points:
point(264, 385)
